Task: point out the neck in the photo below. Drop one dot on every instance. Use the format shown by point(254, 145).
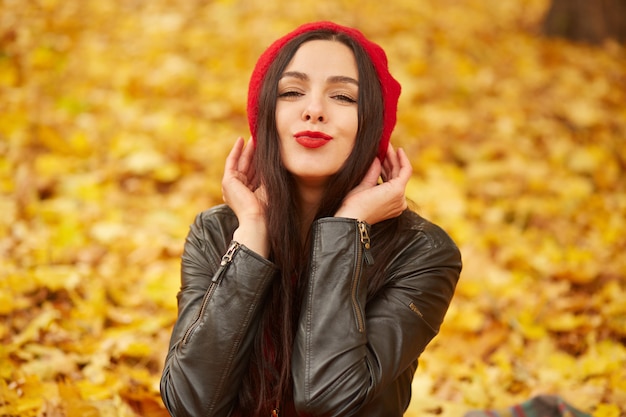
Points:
point(309, 198)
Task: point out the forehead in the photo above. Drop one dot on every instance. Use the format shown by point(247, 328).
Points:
point(325, 57)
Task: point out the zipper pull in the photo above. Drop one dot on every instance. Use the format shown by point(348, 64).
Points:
point(365, 241)
point(228, 257)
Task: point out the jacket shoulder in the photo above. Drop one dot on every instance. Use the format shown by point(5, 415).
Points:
point(218, 213)
point(217, 218)
point(417, 227)
point(212, 230)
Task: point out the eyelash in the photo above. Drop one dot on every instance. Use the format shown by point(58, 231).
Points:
point(294, 94)
point(344, 97)
point(290, 94)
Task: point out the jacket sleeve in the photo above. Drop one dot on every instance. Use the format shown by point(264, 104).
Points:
point(218, 310)
point(346, 352)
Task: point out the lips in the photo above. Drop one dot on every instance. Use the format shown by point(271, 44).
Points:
point(312, 139)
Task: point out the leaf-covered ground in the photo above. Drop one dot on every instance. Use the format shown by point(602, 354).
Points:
point(115, 117)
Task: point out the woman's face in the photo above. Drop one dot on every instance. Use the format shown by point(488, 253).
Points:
point(316, 110)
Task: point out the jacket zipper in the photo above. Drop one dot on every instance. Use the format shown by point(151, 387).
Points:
point(226, 259)
point(366, 242)
point(363, 251)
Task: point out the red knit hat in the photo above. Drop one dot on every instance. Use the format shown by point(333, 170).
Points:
point(390, 87)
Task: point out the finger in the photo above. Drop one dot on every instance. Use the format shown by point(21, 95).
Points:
point(234, 155)
point(252, 172)
point(253, 181)
point(385, 169)
point(245, 161)
point(386, 163)
point(392, 165)
point(261, 194)
point(372, 174)
point(405, 170)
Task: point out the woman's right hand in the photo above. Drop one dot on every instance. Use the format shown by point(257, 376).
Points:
point(242, 193)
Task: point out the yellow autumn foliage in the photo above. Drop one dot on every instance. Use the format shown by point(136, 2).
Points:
point(116, 116)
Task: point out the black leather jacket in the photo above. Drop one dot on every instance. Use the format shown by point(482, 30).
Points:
point(350, 358)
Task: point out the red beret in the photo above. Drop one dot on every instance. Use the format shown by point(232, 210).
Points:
point(390, 87)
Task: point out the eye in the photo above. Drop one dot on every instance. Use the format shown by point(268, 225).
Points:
point(344, 98)
point(290, 94)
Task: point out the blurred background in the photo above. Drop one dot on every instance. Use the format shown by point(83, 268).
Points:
point(115, 119)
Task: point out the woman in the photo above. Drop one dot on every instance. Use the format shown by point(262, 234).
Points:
point(314, 290)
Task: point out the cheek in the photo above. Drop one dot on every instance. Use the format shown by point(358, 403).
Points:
point(277, 117)
point(282, 119)
point(352, 124)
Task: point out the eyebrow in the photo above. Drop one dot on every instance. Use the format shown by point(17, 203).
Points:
point(334, 79)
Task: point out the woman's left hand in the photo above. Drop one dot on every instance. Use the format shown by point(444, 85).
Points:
point(373, 202)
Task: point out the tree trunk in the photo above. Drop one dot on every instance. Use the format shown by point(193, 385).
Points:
point(591, 21)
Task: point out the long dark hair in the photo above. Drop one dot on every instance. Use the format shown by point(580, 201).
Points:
point(269, 378)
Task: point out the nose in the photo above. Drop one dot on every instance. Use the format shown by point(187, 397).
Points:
point(314, 111)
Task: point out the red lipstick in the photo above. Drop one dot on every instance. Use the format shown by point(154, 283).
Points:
point(312, 139)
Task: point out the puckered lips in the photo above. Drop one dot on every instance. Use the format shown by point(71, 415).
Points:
point(312, 139)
